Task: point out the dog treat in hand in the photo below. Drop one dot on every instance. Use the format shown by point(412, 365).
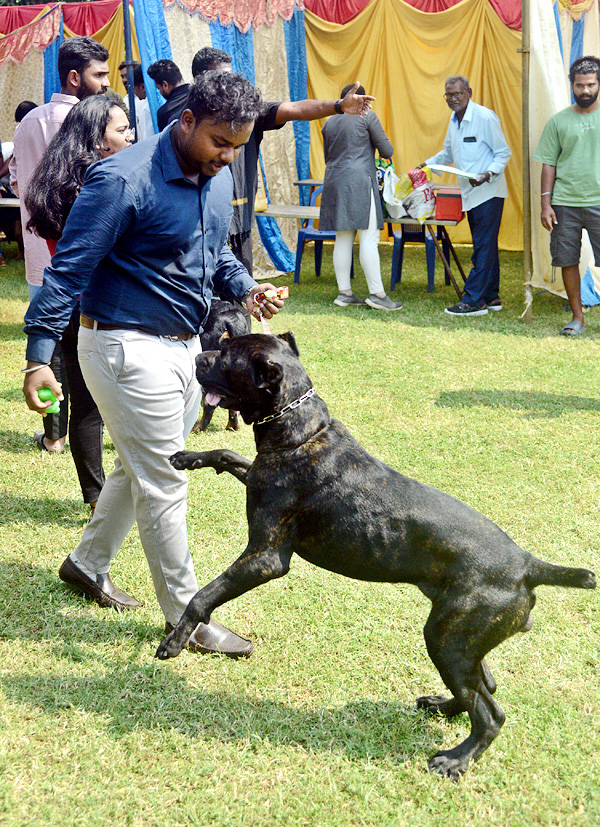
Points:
point(259, 298)
point(280, 293)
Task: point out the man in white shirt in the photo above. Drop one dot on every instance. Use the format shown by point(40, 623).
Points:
point(475, 143)
point(143, 117)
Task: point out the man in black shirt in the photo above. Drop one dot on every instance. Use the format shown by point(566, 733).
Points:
point(170, 84)
point(244, 167)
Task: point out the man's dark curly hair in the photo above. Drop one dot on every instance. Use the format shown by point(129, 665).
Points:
point(586, 65)
point(224, 96)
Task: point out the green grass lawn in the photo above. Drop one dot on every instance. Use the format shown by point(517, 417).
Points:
point(319, 727)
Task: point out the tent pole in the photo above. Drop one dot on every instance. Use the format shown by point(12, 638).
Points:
point(525, 55)
point(129, 63)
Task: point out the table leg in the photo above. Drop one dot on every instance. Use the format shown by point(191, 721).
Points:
point(445, 261)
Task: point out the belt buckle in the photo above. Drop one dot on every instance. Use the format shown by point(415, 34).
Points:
point(172, 338)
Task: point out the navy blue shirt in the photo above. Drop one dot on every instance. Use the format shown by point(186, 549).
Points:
point(143, 246)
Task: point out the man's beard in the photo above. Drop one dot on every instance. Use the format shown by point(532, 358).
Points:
point(585, 102)
point(86, 91)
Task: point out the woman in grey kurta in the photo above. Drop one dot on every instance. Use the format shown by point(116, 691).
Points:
point(350, 200)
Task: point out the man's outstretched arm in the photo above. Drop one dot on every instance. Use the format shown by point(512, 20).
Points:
point(310, 110)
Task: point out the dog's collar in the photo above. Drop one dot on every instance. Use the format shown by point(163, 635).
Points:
point(310, 392)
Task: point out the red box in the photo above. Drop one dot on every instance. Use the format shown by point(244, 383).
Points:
point(448, 205)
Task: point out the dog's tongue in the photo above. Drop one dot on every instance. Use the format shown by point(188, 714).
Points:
point(212, 399)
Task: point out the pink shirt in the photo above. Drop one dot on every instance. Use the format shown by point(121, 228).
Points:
point(32, 137)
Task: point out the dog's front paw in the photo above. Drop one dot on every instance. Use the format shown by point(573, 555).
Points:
point(186, 460)
point(168, 648)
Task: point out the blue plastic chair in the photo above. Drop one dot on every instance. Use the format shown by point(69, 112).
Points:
point(309, 233)
point(421, 236)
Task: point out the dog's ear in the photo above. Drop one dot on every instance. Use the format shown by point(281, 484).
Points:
point(289, 338)
point(267, 374)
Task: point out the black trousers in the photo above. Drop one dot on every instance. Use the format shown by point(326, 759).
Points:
point(86, 430)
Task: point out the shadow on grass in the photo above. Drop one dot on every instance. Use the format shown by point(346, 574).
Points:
point(42, 510)
point(535, 404)
point(134, 698)
point(128, 697)
point(13, 332)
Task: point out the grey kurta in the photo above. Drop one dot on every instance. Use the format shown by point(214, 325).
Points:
point(349, 143)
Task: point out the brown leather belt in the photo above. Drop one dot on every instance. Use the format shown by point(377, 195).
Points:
point(91, 324)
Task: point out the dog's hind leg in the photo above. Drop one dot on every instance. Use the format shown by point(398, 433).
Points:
point(207, 414)
point(221, 460)
point(233, 422)
point(250, 570)
point(449, 707)
point(456, 643)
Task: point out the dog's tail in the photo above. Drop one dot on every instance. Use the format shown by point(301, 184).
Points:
point(546, 574)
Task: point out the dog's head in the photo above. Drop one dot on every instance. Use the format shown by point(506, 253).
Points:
point(224, 321)
point(255, 374)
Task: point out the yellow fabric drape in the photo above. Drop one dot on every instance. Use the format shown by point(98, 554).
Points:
point(402, 56)
point(111, 35)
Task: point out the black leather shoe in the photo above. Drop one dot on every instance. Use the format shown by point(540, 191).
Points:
point(214, 639)
point(103, 591)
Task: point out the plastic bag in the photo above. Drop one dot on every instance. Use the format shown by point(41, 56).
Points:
point(391, 200)
point(419, 203)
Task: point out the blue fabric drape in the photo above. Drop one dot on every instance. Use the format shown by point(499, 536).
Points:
point(295, 46)
point(51, 79)
point(154, 44)
point(241, 48)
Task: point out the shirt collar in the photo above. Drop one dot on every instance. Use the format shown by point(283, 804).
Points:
point(59, 97)
point(170, 164)
point(467, 116)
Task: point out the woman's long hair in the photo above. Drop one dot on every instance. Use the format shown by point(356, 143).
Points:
point(58, 177)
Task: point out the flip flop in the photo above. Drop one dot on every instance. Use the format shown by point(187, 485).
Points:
point(572, 329)
point(38, 438)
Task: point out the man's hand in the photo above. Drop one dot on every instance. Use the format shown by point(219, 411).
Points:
point(42, 378)
point(548, 217)
point(478, 180)
point(268, 307)
point(354, 104)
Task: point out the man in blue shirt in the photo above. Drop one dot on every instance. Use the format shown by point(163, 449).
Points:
point(475, 143)
point(144, 244)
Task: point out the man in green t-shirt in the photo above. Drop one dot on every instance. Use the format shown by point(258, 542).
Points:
point(569, 151)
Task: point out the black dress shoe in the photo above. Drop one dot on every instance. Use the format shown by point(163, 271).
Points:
point(213, 639)
point(103, 591)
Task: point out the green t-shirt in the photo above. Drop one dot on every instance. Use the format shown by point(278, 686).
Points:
point(571, 143)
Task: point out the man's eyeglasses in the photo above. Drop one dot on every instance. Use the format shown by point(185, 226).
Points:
point(449, 96)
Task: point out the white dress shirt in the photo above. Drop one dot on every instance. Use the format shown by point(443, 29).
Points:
point(476, 145)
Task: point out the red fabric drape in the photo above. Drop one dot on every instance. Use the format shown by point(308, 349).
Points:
point(37, 35)
point(87, 18)
point(342, 11)
point(242, 13)
point(13, 17)
point(81, 18)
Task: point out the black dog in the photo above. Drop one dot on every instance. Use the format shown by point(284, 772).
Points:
point(314, 490)
point(224, 321)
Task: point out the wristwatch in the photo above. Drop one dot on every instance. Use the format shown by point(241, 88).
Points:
point(338, 106)
point(490, 176)
point(242, 299)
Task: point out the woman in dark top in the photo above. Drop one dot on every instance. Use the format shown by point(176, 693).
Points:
point(94, 129)
point(350, 201)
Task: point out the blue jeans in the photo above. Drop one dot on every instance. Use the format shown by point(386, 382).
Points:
point(483, 282)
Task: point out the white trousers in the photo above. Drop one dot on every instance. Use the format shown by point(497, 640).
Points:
point(368, 252)
point(147, 392)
